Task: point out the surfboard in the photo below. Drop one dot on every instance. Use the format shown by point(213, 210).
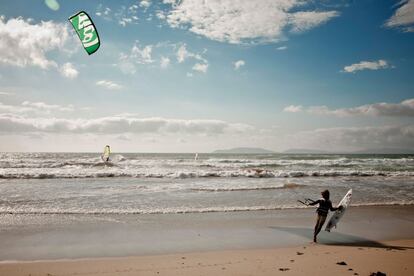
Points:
point(333, 221)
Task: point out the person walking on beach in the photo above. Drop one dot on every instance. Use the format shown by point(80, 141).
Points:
point(324, 206)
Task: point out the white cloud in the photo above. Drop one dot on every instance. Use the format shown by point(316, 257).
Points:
point(110, 85)
point(245, 21)
point(123, 137)
point(145, 4)
point(183, 54)
point(138, 55)
point(104, 12)
point(352, 138)
point(303, 21)
point(403, 16)
point(238, 64)
point(14, 109)
point(127, 16)
point(24, 44)
point(5, 93)
point(281, 48)
point(173, 2)
point(293, 108)
point(162, 53)
point(367, 65)
point(200, 67)
point(142, 55)
point(403, 109)
point(123, 16)
point(125, 64)
point(160, 14)
point(35, 108)
point(69, 71)
point(165, 62)
point(12, 123)
point(47, 107)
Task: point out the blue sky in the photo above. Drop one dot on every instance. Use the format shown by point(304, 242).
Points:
point(194, 77)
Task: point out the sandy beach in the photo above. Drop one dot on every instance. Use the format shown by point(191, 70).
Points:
point(391, 258)
point(207, 138)
point(370, 239)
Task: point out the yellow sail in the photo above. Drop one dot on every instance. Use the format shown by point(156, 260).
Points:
point(106, 153)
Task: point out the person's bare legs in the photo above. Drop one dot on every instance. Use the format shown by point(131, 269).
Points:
point(319, 223)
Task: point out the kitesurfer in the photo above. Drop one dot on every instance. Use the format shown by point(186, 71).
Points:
point(324, 206)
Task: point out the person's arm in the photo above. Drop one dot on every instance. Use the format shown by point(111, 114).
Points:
point(337, 208)
point(314, 202)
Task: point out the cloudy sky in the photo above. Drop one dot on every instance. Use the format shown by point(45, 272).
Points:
point(196, 76)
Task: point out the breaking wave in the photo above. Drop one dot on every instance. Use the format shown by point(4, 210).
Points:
point(180, 210)
point(240, 189)
point(113, 171)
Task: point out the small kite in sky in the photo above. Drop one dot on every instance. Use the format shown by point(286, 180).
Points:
point(86, 31)
point(52, 4)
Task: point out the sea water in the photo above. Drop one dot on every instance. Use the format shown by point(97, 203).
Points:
point(136, 183)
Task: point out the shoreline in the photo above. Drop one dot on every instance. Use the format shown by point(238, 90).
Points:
point(208, 210)
point(47, 237)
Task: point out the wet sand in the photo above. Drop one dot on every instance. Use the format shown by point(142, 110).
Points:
point(368, 239)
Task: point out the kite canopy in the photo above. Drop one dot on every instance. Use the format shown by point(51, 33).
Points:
point(86, 31)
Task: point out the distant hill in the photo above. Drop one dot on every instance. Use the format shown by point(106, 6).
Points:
point(244, 150)
point(363, 151)
point(306, 151)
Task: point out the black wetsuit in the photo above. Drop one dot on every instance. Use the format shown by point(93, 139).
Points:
point(324, 206)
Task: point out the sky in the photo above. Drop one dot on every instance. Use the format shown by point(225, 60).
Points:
point(197, 76)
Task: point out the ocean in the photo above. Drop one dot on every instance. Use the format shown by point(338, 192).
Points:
point(138, 183)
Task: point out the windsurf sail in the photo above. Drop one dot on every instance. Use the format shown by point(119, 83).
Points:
point(86, 31)
point(106, 153)
point(196, 157)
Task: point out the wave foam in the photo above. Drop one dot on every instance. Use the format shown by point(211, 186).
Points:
point(184, 210)
point(240, 189)
point(108, 171)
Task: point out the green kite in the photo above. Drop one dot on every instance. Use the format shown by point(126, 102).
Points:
point(86, 31)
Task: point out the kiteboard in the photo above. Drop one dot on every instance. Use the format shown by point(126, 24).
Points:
point(333, 221)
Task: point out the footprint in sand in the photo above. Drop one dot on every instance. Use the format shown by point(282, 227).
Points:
point(341, 263)
point(284, 269)
point(379, 273)
point(299, 253)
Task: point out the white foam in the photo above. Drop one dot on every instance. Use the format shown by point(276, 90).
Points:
point(178, 210)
